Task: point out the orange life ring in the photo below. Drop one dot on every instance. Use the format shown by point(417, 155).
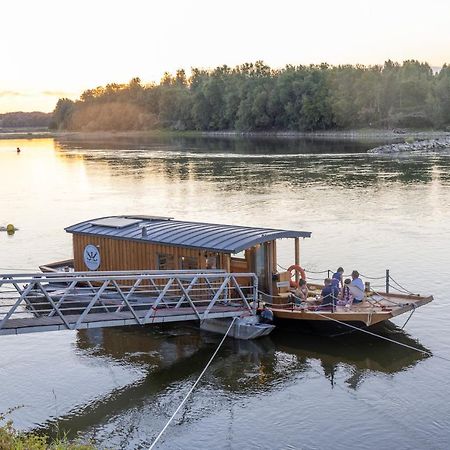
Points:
point(300, 270)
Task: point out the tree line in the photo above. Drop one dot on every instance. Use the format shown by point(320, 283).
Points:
point(25, 120)
point(255, 97)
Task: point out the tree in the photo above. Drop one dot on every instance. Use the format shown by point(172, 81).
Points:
point(62, 113)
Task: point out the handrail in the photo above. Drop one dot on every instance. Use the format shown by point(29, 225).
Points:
point(107, 272)
point(76, 300)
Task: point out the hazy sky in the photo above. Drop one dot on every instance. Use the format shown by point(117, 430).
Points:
point(59, 48)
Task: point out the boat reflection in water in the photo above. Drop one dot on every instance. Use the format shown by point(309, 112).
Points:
point(360, 354)
point(175, 355)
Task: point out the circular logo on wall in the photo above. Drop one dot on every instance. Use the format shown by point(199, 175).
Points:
point(91, 257)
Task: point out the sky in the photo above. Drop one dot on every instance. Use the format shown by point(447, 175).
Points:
point(52, 49)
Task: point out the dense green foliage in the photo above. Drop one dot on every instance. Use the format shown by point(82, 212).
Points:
point(254, 97)
point(25, 119)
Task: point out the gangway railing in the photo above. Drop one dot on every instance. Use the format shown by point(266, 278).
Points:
point(34, 302)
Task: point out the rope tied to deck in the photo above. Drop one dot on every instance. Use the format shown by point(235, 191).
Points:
point(401, 288)
point(428, 353)
point(193, 386)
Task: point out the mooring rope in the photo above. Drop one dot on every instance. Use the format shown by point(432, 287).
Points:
point(370, 332)
point(382, 337)
point(371, 278)
point(409, 317)
point(401, 287)
point(306, 270)
point(193, 386)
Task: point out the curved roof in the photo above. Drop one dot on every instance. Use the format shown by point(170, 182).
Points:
point(166, 231)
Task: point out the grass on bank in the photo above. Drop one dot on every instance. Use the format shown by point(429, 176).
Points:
point(11, 439)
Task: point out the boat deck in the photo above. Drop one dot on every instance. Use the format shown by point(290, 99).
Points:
point(374, 309)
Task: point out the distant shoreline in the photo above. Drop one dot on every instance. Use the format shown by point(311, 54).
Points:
point(357, 134)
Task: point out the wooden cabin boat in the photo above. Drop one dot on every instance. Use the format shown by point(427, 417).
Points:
point(134, 242)
point(161, 243)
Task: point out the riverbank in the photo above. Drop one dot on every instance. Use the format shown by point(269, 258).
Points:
point(426, 145)
point(337, 134)
point(357, 134)
point(10, 438)
point(25, 134)
point(361, 134)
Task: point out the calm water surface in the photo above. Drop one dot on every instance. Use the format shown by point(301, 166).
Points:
point(118, 387)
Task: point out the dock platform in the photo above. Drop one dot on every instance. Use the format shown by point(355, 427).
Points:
point(79, 300)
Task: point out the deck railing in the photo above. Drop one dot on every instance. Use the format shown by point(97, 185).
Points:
point(76, 300)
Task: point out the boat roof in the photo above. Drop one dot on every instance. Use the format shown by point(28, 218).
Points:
point(167, 231)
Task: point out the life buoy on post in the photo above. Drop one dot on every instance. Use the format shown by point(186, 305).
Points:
point(300, 270)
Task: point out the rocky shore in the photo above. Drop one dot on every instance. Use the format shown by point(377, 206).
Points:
point(428, 145)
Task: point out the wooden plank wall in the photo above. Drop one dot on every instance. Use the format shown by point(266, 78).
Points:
point(121, 254)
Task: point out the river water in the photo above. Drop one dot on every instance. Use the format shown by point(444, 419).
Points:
point(118, 387)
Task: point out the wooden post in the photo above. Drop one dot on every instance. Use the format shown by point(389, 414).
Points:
point(227, 262)
point(297, 256)
point(269, 265)
point(387, 281)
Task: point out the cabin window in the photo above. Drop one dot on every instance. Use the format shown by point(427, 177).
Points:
point(166, 262)
point(212, 262)
point(240, 255)
point(188, 263)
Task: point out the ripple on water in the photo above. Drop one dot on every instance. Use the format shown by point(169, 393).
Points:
point(288, 391)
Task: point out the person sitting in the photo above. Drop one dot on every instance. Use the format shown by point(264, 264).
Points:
point(346, 298)
point(301, 293)
point(357, 287)
point(266, 315)
point(338, 278)
point(329, 294)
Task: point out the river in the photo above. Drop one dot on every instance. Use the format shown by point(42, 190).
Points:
point(118, 387)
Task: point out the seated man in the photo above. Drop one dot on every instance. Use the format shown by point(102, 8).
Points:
point(357, 287)
point(329, 294)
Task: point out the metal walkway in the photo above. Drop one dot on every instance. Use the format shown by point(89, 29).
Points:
point(77, 300)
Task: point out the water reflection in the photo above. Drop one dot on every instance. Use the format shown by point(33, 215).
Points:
point(246, 163)
point(359, 353)
point(174, 356)
point(227, 144)
point(365, 212)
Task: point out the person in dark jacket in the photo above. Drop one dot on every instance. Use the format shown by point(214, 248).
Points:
point(329, 294)
point(266, 315)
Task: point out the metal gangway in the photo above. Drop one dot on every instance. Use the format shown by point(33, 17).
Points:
point(33, 302)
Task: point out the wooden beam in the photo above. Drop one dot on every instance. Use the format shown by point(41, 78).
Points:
point(297, 256)
point(227, 262)
point(269, 265)
point(274, 256)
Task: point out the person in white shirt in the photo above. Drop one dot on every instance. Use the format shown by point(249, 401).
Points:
point(357, 287)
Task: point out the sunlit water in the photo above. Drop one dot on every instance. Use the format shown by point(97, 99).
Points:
point(290, 390)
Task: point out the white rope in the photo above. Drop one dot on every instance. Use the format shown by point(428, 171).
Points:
point(193, 386)
point(381, 337)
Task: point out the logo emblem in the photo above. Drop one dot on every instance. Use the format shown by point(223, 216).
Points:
point(91, 257)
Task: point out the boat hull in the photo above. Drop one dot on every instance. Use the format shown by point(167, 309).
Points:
point(243, 328)
point(375, 310)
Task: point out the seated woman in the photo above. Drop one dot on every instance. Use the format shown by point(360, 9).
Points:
point(346, 298)
point(301, 293)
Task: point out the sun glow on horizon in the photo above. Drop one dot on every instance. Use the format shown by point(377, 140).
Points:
point(50, 52)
